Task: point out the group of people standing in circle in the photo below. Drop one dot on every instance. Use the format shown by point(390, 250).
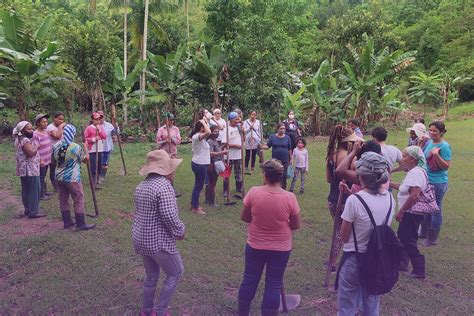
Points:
point(51, 146)
point(362, 170)
point(232, 146)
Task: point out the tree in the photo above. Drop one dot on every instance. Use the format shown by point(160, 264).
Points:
point(169, 76)
point(210, 70)
point(369, 73)
point(91, 49)
point(24, 63)
point(425, 88)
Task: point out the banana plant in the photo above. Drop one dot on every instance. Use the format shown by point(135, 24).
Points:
point(210, 70)
point(25, 64)
point(293, 102)
point(370, 72)
point(168, 75)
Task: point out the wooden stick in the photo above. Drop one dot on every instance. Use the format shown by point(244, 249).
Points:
point(119, 140)
point(169, 136)
point(96, 156)
point(94, 199)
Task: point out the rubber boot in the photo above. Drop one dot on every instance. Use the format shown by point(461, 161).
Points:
point(238, 186)
point(404, 262)
point(244, 308)
point(269, 312)
point(423, 232)
point(81, 223)
point(432, 237)
point(68, 222)
point(418, 268)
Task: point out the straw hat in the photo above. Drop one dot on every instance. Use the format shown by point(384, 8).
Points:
point(418, 128)
point(352, 138)
point(159, 161)
point(39, 117)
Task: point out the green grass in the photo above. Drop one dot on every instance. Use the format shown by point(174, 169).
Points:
point(464, 109)
point(65, 272)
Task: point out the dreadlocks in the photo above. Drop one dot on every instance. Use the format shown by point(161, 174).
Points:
point(338, 133)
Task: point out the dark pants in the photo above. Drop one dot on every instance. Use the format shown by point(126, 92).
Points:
point(105, 163)
point(408, 235)
point(236, 165)
point(52, 174)
point(285, 171)
point(93, 163)
point(249, 156)
point(43, 172)
point(30, 194)
point(211, 185)
point(255, 261)
point(199, 177)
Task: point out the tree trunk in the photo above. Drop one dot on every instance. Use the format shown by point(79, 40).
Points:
point(125, 60)
point(67, 105)
point(158, 121)
point(186, 10)
point(215, 102)
point(314, 119)
point(22, 113)
point(143, 57)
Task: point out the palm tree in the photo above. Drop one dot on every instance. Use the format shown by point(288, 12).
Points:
point(142, 12)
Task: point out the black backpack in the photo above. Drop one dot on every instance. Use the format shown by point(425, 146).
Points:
point(379, 266)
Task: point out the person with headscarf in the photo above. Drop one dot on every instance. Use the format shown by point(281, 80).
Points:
point(372, 170)
point(28, 168)
point(409, 191)
point(69, 156)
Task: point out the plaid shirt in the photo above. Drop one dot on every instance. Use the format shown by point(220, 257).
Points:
point(156, 224)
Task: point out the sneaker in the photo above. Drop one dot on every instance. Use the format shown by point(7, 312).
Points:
point(333, 268)
point(37, 215)
point(301, 191)
point(247, 171)
point(48, 193)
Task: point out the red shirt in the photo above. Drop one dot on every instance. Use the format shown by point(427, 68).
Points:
point(271, 208)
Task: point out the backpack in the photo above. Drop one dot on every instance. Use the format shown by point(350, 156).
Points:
point(379, 266)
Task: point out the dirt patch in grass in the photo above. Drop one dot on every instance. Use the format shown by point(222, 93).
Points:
point(16, 225)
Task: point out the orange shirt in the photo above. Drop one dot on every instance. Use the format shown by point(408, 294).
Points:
point(271, 209)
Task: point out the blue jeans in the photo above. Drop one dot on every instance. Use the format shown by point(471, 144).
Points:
point(255, 261)
point(435, 220)
point(200, 172)
point(173, 267)
point(349, 290)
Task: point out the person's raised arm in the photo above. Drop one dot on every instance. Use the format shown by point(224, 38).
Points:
point(30, 150)
point(58, 134)
point(206, 132)
point(344, 170)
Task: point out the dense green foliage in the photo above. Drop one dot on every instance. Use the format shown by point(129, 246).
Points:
point(266, 47)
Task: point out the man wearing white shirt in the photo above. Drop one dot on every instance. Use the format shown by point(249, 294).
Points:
point(234, 144)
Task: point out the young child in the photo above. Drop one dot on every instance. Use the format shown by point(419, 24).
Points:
point(354, 124)
point(300, 157)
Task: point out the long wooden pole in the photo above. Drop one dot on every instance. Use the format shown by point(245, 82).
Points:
point(119, 140)
point(94, 199)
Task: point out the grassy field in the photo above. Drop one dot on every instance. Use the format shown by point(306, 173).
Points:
point(47, 270)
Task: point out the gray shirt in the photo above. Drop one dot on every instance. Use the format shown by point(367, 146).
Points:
point(392, 154)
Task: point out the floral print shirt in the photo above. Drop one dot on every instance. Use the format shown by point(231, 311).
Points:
point(26, 166)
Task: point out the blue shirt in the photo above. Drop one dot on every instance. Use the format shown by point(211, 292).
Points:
point(439, 176)
point(280, 147)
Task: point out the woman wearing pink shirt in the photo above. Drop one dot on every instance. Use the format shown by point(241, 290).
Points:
point(95, 136)
point(272, 214)
point(45, 151)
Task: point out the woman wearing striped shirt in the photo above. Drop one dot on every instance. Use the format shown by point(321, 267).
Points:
point(45, 150)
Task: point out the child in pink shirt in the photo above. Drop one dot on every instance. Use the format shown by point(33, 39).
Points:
point(301, 159)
